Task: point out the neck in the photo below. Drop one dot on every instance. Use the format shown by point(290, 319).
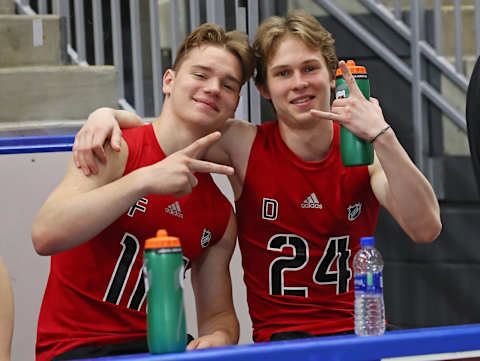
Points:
point(173, 134)
point(310, 144)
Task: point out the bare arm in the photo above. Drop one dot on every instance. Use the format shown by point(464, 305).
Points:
point(234, 149)
point(397, 183)
point(6, 313)
point(100, 126)
point(81, 207)
point(403, 190)
point(217, 321)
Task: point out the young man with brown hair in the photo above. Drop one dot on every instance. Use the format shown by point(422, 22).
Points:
point(294, 198)
point(95, 227)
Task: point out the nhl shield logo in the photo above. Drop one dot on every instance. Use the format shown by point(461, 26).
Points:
point(354, 211)
point(206, 236)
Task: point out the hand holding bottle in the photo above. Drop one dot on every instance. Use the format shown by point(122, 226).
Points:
point(356, 111)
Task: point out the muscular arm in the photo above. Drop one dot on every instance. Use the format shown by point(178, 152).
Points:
point(217, 321)
point(403, 190)
point(397, 183)
point(6, 313)
point(81, 207)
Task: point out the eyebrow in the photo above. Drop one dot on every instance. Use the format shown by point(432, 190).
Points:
point(282, 66)
point(209, 69)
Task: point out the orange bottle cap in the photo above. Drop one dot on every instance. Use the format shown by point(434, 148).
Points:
point(162, 240)
point(354, 69)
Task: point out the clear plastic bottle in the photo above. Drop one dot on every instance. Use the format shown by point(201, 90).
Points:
point(369, 305)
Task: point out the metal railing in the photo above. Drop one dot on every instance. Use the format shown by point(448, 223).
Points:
point(414, 33)
point(181, 16)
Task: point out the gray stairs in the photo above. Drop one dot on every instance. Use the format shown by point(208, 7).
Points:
point(21, 48)
point(442, 272)
point(7, 7)
point(54, 92)
point(39, 89)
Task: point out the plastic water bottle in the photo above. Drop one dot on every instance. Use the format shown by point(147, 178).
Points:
point(354, 150)
point(369, 306)
point(166, 331)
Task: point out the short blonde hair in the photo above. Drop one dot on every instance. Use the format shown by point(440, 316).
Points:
point(235, 42)
point(297, 23)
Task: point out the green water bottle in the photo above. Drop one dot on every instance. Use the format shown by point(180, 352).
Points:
point(166, 330)
point(354, 150)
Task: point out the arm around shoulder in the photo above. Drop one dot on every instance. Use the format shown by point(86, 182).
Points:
point(124, 118)
point(403, 190)
point(102, 124)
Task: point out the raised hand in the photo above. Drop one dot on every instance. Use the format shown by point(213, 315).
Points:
point(362, 117)
point(175, 174)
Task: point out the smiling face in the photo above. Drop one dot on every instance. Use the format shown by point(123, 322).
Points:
point(297, 80)
point(204, 91)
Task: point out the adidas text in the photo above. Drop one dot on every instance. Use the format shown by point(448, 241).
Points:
point(312, 205)
point(311, 202)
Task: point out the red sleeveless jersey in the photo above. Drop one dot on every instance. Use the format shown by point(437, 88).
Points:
point(299, 226)
point(95, 293)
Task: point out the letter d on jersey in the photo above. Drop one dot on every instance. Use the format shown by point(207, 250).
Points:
point(269, 209)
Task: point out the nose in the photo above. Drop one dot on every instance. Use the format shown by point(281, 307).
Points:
point(213, 86)
point(299, 82)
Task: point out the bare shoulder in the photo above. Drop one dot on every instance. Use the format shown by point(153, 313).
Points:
point(237, 136)
point(237, 140)
point(235, 127)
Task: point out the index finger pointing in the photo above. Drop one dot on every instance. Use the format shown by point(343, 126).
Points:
point(202, 166)
point(198, 147)
point(349, 79)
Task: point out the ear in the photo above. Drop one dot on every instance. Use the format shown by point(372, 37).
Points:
point(168, 80)
point(263, 89)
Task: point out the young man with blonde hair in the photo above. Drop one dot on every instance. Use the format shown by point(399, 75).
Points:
point(95, 227)
point(294, 198)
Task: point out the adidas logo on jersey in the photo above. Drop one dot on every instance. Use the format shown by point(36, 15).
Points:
point(311, 202)
point(174, 209)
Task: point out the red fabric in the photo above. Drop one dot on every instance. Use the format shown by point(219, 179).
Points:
point(74, 312)
point(303, 226)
